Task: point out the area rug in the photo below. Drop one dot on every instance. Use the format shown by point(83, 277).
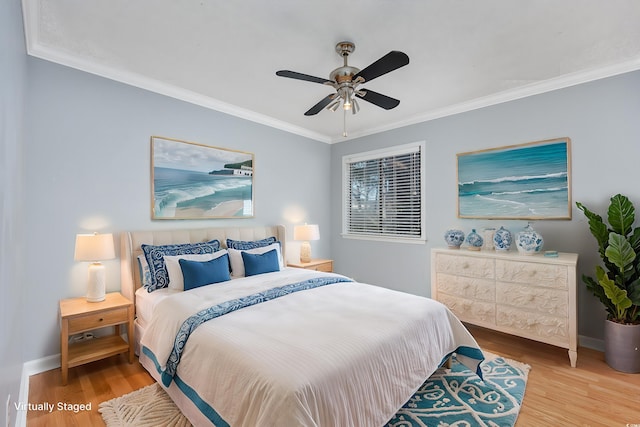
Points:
point(450, 397)
point(458, 397)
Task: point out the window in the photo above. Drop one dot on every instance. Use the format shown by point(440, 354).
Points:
point(384, 194)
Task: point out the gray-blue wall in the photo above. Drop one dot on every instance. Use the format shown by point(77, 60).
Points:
point(85, 145)
point(87, 168)
point(12, 92)
point(602, 118)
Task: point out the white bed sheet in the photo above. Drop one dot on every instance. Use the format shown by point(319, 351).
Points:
point(344, 354)
point(146, 302)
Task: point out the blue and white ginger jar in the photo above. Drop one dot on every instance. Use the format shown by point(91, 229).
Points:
point(474, 240)
point(529, 241)
point(454, 238)
point(502, 239)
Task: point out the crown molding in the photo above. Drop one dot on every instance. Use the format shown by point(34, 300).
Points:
point(34, 48)
point(526, 91)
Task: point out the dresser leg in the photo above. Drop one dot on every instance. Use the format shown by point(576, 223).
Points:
point(573, 358)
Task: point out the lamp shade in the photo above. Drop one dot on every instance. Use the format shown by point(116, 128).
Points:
point(94, 247)
point(306, 232)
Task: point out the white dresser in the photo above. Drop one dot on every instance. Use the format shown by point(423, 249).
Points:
point(530, 296)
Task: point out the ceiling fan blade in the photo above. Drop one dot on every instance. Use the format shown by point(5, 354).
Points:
point(382, 101)
point(300, 76)
point(320, 105)
point(391, 61)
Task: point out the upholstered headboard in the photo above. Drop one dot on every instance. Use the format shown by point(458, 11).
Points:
point(131, 242)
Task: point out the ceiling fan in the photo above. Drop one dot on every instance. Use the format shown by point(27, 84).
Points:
point(347, 79)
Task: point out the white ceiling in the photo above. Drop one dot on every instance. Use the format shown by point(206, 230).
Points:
point(464, 54)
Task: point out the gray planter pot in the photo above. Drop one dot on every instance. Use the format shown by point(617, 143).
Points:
point(622, 346)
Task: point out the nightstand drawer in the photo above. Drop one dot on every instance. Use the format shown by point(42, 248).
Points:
point(98, 320)
point(326, 267)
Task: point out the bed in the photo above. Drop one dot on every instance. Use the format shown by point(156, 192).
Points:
point(275, 346)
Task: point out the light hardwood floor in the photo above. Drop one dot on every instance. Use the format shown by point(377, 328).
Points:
point(557, 395)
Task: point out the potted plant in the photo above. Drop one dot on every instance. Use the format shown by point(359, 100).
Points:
point(617, 284)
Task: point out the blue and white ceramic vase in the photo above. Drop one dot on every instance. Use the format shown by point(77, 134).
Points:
point(474, 240)
point(529, 241)
point(502, 239)
point(454, 238)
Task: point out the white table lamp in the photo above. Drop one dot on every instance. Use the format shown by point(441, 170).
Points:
point(305, 233)
point(94, 248)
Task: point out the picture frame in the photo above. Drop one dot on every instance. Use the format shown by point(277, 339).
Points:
point(197, 181)
point(530, 181)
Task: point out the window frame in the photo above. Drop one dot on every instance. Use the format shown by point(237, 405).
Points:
point(378, 154)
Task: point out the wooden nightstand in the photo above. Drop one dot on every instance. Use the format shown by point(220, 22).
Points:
point(77, 316)
point(315, 264)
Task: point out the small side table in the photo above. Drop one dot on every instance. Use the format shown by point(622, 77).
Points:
point(78, 315)
point(315, 264)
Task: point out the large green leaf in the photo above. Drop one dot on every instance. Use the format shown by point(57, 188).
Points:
point(617, 296)
point(620, 252)
point(598, 291)
point(634, 240)
point(598, 228)
point(633, 291)
point(621, 214)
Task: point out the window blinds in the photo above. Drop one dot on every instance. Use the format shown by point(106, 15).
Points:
point(383, 193)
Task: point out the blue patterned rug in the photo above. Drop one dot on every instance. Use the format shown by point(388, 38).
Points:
point(450, 398)
point(457, 397)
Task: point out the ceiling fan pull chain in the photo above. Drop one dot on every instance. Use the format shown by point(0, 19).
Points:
point(344, 123)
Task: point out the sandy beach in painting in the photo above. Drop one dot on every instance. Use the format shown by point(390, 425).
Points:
point(229, 208)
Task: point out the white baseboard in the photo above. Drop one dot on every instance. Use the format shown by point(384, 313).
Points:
point(29, 368)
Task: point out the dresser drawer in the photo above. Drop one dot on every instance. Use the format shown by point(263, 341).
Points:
point(98, 320)
point(523, 323)
point(548, 275)
point(465, 266)
point(467, 287)
point(542, 300)
point(469, 310)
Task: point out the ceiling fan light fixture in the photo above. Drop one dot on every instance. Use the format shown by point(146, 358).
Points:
point(355, 107)
point(334, 105)
point(347, 98)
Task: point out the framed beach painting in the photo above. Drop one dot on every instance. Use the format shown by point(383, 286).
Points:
point(196, 181)
point(527, 181)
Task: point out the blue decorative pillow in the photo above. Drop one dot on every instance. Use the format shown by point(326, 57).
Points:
point(249, 244)
point(145, 273)
point(198, 273)
point(155, 258)
point(260, 263)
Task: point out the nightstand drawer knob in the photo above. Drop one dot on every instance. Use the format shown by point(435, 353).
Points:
point(100, 320)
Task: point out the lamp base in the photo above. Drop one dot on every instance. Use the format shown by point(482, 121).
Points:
point(97, 283)
point(305, 252)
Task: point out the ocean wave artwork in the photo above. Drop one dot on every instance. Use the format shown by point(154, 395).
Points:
point(193, 181)
point(528, 181)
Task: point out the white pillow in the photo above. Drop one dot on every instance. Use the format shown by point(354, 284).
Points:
point(237, 264)
point(172, 264)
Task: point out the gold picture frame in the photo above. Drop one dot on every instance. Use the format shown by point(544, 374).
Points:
point(197, 181)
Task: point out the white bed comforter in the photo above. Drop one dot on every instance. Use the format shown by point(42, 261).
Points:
point(345, 354)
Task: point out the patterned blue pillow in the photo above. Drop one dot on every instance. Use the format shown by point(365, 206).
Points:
point(249, 244)
point(155, 258)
